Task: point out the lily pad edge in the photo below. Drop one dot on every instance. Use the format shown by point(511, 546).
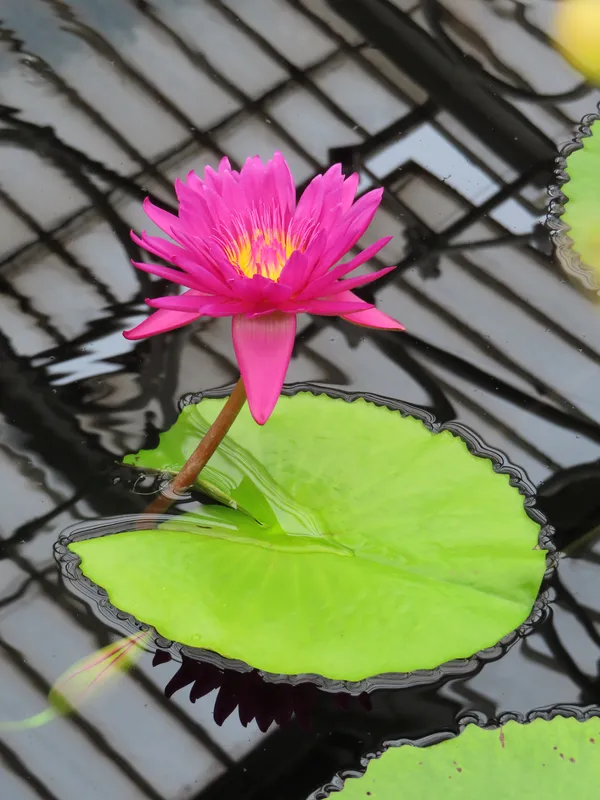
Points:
point(97, 597)
point(566, 249)
point(329, 790)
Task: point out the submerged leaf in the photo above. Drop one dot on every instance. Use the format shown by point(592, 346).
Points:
point(367, 544)
point(84, 679)
point(551, 760)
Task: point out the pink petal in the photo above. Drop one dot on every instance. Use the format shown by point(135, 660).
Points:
point(313, 255)
point(328, 308)
point(161, 322)
point(214, 180)
point(310, 205)
point(226, 269)
point(180, 278)
point(157, 246)
point(349, 190)
point(360, 280)
point(159, 216)
point(190, 193)
point(195, 182)
point(227, 309)
point(233, 195)
point(208, 278)
point(369, 202)
point(195, 303)
point(333, 185)
point(364, 256)
point(259, 290)
point(371, 317)
point(295, 271)
point(284, 183)
point(344, 241)
point(252, 180)
point(316, 288)
point(263, 347)
point(195, 217)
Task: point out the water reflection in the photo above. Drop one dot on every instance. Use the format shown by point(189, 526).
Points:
point(253, 698)
point(496, 338)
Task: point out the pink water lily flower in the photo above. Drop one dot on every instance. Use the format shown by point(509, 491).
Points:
point(245, 249)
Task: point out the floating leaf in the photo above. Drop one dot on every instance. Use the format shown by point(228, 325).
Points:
point(550, 760)
point(580, 251)
point(366, 544)
point(81, 682)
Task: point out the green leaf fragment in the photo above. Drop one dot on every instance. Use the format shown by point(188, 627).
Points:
point(366, 544)
point(551, 760)
point(583, 208)
point(84, 679)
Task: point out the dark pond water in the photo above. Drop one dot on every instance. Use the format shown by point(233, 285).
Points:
point(457, 108)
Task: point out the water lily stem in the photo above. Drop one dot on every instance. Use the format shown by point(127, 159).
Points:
point(197, 461)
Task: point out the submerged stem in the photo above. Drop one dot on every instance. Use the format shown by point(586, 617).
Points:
point(206, 448)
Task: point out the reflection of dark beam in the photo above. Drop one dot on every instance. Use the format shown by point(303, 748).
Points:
point(46, 141)
point(45, 72)
point(435, 14)
point(477, 339)
point(50, 428)
point(390, 346)
point(437, 242)
point(504, 129)
point(286, 752)
point(441, 406)
point(106, 209)
point(567, 664)
point(34, 315)
point(501, 289)
point(300, 77)
point(333, 374)
point(54, 245)
point(200, 62)
point(99, 201)
point(353, 156)
point(353, 51)
point(26, 532)
point(479, 377)
point(487, 348)
point(23, 587)
point(100, 45)
point(13, 763)
point(186, 722)
point(567, 599)
point(492, 383)
point(500, 425)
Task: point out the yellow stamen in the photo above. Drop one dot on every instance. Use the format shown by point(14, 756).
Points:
point(265, 252)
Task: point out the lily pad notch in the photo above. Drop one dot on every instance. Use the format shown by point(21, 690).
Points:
point(355, 546)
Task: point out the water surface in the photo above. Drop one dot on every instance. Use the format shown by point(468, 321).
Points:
point(456, 109)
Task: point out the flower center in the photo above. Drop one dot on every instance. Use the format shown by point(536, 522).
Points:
point(260, 240)
point(262, 252)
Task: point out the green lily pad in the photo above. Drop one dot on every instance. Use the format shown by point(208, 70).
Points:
point(579, 252)
point(552, 760)
point(355, 542)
